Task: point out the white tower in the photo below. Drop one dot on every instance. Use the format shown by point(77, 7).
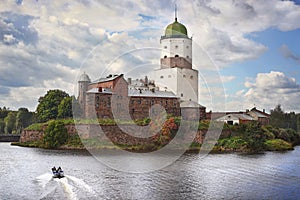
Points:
point(176, 73)
point(83, 83)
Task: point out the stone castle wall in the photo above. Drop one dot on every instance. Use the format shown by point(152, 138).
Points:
point(112, 133)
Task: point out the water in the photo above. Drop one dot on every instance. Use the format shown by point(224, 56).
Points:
point(25, 174)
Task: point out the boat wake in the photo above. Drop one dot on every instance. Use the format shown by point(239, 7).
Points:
point(68, 187)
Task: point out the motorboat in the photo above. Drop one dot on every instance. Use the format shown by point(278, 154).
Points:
point(58, 173)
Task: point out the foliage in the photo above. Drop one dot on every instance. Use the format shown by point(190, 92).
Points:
point(203, 125)
point(48, 105)
point(168, 130)
point(280, 119)
point(277, 145)
point(232, 143)
point(4, 112)
point(23, 119)
point(10, 123)
point(277, 117)
point(55, 134)
point(2, 126)
point(35, 127)
point(65, 108)
point(254, 136)
point(74, 141)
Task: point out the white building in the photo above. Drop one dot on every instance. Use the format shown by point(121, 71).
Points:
point(176, 73)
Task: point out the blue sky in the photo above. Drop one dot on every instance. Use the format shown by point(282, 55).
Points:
point(254, 45)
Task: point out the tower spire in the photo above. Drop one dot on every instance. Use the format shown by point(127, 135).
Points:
point(175, 12)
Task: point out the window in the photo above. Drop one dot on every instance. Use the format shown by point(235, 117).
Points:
point(165, 56)
point(161, 76)
point(165, 47)
point(191, 77)
point(181, 95)
point(183, 75)
point(230, 122)
point(176, 56)
point(169, 76)
point(132, 110)
point(176, 46)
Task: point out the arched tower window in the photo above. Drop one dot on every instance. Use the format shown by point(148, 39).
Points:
point(176, 56)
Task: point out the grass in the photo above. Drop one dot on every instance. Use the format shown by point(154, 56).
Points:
point(278, 145)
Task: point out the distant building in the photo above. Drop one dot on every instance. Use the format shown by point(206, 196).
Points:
point(232, 118)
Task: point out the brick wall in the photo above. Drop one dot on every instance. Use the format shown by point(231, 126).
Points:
point(175, 62)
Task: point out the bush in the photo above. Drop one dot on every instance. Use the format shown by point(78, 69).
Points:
point(232, 143)
point(55, 134)
point(278, 145)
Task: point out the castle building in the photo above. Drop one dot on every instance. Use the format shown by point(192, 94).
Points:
point(175, 85)
point(176, 72)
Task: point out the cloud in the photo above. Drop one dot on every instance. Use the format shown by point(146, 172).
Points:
point(287, 53)
point(43, 44)
point(270, 89)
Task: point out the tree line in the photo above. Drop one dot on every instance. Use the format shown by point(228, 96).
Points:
point(55, 104)
point(281, 119)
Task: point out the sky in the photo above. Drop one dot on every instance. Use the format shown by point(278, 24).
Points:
point(247, 51)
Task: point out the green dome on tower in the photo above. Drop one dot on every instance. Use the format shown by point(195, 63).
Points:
point(176, 29)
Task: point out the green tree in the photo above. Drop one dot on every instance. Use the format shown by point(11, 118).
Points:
point(55, 134)
point(23, 119)
point(298, 123)
point(2, 126)
point(65, 108)
point(277, 117)
point(48, 105)
point(10, 123)
point(255, 136)
point(4, 112)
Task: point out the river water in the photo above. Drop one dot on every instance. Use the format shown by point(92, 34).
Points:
point(25, 174)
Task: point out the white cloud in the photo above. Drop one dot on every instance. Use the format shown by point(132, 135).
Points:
point(270, 89)
point(45, 42)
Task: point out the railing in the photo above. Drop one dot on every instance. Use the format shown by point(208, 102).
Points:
point(9, 137)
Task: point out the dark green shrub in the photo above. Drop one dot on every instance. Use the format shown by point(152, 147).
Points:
point(55, 134)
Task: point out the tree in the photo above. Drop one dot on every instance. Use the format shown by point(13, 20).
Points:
point(65, 108)
point(4, 112)
point(277, 117)
point(23, 119)
point(2, 126)
point(48, 105)
point(10, 123)
point(255, 136)
point(55, 134)
point(298, 123)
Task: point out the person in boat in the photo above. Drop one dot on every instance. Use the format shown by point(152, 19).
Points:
point(54, 169)
point(59, 169)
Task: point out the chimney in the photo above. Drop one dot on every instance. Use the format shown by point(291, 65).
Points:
point(146, 80)
point(264, 111)
point(129, 81)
